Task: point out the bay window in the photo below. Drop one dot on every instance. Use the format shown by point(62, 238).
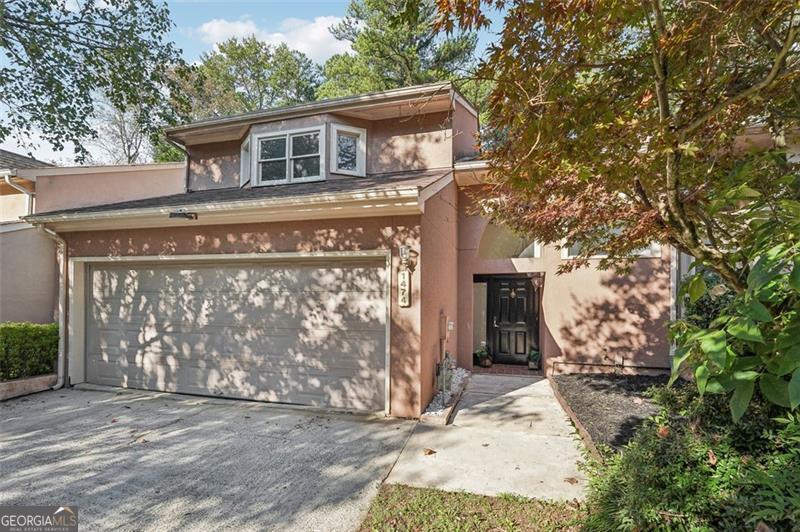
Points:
point(289, 157)
point(302, 155)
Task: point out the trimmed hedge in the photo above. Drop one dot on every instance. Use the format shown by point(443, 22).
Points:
point(27, 349)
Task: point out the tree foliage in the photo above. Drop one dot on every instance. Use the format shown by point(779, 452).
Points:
point(119, 137)
point(622, 119)
point(60, 55)
point(390, 52)
point(621, 123)
point(247, 74)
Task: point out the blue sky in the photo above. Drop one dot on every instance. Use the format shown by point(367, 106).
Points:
point(302, 24)
point(200, 24)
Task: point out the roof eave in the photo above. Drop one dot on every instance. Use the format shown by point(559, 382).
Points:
point(366, 203)
point(469, 173)
point(311, 108)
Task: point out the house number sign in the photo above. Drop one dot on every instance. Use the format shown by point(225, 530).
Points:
point(404, 288)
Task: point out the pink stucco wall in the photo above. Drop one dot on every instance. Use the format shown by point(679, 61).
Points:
point(214, 165)
point(12, 206)
point(74, 187)
point(465, 133)
point(28, 276)
point(591, 320)
point(438, 263)
point(407, 398)
point(414, 142)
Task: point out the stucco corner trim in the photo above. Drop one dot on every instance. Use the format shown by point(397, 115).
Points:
point(434, 188)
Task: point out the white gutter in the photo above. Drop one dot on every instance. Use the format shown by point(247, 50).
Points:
point(404, 193)
point(7, 175)
point(477, 164)
point(62, 304)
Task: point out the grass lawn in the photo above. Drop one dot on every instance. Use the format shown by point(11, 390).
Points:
point(405, 508)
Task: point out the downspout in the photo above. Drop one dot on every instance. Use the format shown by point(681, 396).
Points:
point(186, 153)
point(7, 174)
point(62, 304)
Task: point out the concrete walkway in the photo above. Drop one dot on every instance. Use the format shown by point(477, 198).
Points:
point(509, 435)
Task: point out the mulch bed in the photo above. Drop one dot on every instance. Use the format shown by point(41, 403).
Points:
point(610, 407)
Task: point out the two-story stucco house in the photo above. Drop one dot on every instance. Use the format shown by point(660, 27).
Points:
point(27, 258)
point(328, 254)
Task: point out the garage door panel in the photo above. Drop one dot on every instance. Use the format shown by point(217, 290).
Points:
point(343, 390)
point(162, 322)
point(335, 311)
point(356, 356)
point(278, 333)
point(351, 277)
point(144, 365)
point(279, 344)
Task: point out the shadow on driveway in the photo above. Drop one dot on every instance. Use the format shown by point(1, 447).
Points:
point(144, 461)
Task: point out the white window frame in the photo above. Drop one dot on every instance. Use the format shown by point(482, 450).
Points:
point(361, 155)
point(653, 251)
point(255, 171)
point(245, 162)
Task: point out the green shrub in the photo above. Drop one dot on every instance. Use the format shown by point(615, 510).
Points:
point(27, 349)
point(711, 304)
point(692, 468)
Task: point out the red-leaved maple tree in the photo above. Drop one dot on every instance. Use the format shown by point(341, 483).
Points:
point(613, 124)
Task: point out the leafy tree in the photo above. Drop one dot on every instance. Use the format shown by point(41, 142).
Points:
point(59, 57)
point(166, 152)
point(620, 123)
point(119, 136)
point(246, 75)
point(389, 52)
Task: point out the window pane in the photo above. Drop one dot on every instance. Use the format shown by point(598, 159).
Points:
point(305, 167)
point(273, 170)
point(273, 148)
point(575, 249)
point(346, 151)
point(306, 144)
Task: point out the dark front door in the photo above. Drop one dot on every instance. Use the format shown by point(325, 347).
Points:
point(512, 319)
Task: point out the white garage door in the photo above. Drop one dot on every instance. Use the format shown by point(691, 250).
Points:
point(311, 333)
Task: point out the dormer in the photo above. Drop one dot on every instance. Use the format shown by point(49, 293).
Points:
point(415, 128)
point(314, 150)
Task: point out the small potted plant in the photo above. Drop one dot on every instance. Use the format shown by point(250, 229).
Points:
point(482, 357)
point(534, 359)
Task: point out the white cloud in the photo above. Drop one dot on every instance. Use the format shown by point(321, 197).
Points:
point(308, 36)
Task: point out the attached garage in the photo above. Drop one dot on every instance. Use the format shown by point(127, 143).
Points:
point(310, 331)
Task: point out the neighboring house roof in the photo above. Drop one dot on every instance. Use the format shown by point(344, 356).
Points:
point(227, 201)
point(16, 161)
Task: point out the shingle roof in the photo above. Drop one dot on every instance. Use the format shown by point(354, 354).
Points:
point(230, 195)
point(13, 160)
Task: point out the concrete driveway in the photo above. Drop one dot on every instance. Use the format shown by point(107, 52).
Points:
point(148, 461)
point(509, 435)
